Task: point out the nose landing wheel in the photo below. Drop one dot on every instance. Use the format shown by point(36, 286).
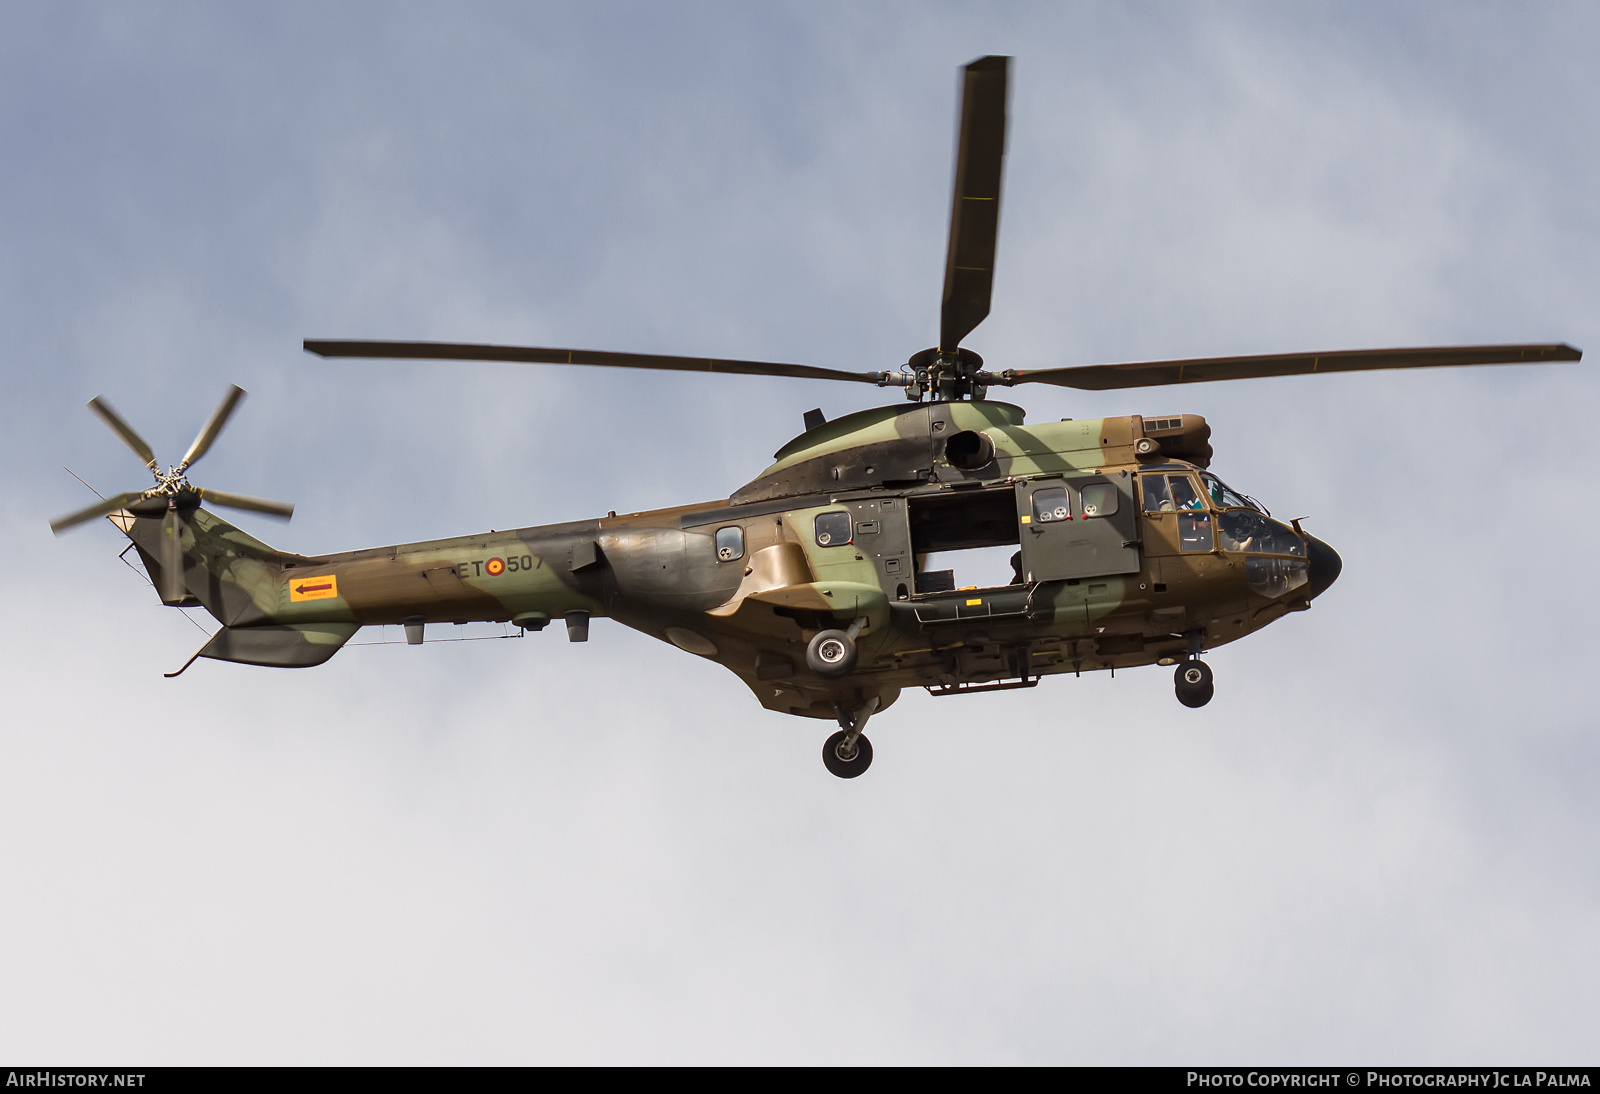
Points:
point(1193, 683)
point(847, 753)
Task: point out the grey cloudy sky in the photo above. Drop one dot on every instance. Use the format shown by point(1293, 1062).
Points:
point(1376, 844)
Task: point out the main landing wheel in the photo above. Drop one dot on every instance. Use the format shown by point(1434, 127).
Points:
point(1193, 683)
point(831, 653)
point(844, 762)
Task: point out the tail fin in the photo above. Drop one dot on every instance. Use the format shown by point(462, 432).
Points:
point(234, 576)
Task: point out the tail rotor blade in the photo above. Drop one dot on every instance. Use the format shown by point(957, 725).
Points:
point(98, 509)
point(975, 212)
point(172, 584)
point(125, 431)
point(240, 501)
point(202, 443)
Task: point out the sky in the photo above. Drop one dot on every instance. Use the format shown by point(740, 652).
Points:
point(1376, 844)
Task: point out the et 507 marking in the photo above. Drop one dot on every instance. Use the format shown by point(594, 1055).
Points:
point(494, 567)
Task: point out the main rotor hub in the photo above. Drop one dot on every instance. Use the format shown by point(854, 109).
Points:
point(946, 376)
point(171, 483)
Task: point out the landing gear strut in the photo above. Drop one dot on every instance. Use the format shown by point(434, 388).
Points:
point(1192, 682)
point(847, 753)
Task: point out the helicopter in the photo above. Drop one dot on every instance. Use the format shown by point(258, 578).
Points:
point(817, 582)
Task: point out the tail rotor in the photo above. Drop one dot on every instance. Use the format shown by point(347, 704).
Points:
point(173, 498)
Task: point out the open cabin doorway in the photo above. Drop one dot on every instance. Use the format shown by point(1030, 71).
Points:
point(964, 538)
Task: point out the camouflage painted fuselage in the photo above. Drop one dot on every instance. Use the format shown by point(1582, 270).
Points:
point(1106, 576)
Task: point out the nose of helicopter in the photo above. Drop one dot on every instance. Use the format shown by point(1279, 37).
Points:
point(1324, 563)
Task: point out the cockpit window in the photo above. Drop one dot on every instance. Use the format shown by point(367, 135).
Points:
point(1249, 531)
point(1273, 577)
point(1224, 496)
point(1184, 495)
point(1157, 494)
point(1164, 493)
point(1169, 493)
point(1194, 532)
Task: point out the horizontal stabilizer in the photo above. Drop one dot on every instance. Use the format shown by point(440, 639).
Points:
point(296, 646)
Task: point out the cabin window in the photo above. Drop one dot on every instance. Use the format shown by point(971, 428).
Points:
point(1051, 505)
point(833, 529)
point(1098, 499)
point(730, 543)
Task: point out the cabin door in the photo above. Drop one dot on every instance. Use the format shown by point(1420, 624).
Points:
point(1075, 526)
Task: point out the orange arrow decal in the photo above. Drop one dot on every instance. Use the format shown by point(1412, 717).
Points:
point(321, 587)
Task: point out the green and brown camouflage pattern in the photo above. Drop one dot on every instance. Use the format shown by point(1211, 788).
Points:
point(1130, 598)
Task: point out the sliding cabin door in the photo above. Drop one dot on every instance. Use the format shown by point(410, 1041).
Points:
point(1077, 526)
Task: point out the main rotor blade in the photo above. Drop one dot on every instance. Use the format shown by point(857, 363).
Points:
point(125, 431)
point(98, 509)
point(172, 586)
point(241, 501)
point(975, 211)
point(1203, 369)
point(471, 351)
point(219, 418)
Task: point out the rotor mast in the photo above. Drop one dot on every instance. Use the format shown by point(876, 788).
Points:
point(947, 372)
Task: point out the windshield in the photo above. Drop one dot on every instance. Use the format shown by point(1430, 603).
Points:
point(1224, 496)
point(1247, 530)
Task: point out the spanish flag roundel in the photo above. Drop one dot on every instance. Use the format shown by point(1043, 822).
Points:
point(495, 567)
